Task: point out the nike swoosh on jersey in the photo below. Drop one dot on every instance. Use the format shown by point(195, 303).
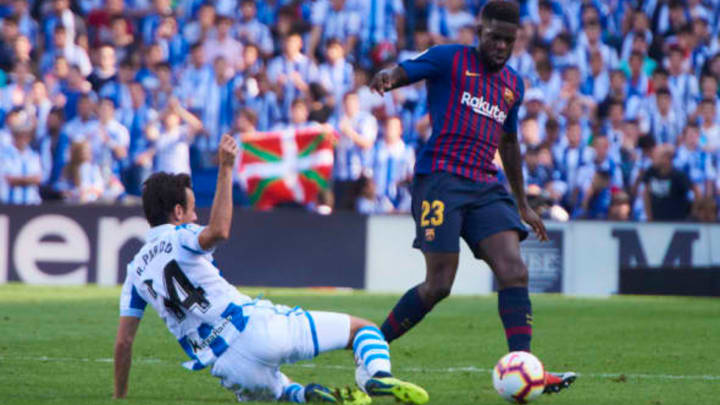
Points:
point(471, 74)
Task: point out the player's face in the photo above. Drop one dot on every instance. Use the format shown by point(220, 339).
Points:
point(496, 40)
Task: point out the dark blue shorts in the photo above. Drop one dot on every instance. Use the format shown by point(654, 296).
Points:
point(446, 207)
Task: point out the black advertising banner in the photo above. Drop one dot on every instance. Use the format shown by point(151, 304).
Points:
point(701, 281)
point(58, 244)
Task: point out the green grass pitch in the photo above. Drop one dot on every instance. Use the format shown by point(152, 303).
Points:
point(56, 347)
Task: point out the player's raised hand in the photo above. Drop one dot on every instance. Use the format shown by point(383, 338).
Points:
point(537, 225)
point(381, 82)
point(227, 151)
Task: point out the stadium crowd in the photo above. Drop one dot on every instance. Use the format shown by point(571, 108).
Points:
point(620, 117)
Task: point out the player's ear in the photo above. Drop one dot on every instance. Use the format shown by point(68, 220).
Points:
point(178, 212)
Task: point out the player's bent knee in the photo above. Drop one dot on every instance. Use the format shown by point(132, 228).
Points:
point(355, 325)
point(512, 273)
point(435, 293)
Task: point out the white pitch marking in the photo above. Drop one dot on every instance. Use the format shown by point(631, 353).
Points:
point(470, 369)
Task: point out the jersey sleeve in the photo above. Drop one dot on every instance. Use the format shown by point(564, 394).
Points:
point(426, 65)
point(188, 238)
point(510, 126)
point(131, 303)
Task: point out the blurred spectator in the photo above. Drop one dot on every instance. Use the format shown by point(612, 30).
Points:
point(114, 139)
point(202, 27)
point(173, 138)
point(336, 74)
point(620, 209)
point(223, 44)
point(136, 119)
point(260, 98)
point(20, 166)
point(353, 152)
point(251, 30)
point(382, 27)
point(291, 72)
point(695, 162)
point(62, 16)
point(195, 79)
point(587, 183)
point(709, 125)
point(73, 53)
point(82, 180)
point(217, 104)
point(597, 198)
point(663, 120)
point(334, 19)
point(172, 43)
point(54, 150)
point(105, 70)
point(667, 191)
point(9, 35)
point(368, 202)
point(446, 19)
point(393, 166)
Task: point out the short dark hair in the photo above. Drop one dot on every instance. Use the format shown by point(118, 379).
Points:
point(507, 11)
point(663, 92)
point(161, 192)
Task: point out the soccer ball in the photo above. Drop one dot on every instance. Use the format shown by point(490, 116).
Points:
point(519, 377)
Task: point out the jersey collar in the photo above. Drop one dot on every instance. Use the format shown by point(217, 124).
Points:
point(156, 231)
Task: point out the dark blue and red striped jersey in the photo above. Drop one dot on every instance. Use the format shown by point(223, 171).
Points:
point(470, 107)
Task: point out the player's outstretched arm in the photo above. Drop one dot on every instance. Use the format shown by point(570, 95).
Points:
point(127, 328)
point(512, 162)
point(218, 229)
point(389, 79)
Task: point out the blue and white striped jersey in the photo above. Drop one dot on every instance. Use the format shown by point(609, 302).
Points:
point(17, 163)
point(177, 277)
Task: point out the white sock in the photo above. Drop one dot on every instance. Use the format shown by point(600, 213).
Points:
point(371, 350)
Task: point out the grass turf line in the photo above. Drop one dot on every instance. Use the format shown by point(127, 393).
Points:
point(644, 339)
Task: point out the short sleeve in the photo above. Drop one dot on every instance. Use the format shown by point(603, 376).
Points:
point(511, 121)
point(426, 65)
point(188, 239)
point(131, 303)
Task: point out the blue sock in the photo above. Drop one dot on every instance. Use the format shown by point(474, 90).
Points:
point(407, 313)
point(516, 314)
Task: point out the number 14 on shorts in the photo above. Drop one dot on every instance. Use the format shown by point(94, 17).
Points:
point(432, 213)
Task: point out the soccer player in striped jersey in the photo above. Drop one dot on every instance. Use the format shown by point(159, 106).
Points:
point(473, 102)
point(243, 341)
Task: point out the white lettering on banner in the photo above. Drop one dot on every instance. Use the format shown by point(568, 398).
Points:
point(4, 248)
point(483, 107)
point(112, 235)
point(29, 249)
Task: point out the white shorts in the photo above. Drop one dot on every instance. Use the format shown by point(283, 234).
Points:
point(276, 335)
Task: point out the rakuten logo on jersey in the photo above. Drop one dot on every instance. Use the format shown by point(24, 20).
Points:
point(482, 107)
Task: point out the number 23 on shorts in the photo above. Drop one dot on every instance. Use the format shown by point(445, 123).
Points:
point(434, 210)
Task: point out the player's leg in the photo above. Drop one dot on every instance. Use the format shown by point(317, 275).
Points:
point(495, 231)
point(418, 301)
point(502, 253)
point(438, 220)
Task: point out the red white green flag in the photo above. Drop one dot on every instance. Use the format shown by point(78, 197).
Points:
point(286, 166)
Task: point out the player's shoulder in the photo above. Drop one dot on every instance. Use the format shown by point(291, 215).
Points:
point(513, 80)
point(189, 227)
point(441, 51)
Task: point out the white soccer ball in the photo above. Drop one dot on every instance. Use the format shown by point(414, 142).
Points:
point(519, 377)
